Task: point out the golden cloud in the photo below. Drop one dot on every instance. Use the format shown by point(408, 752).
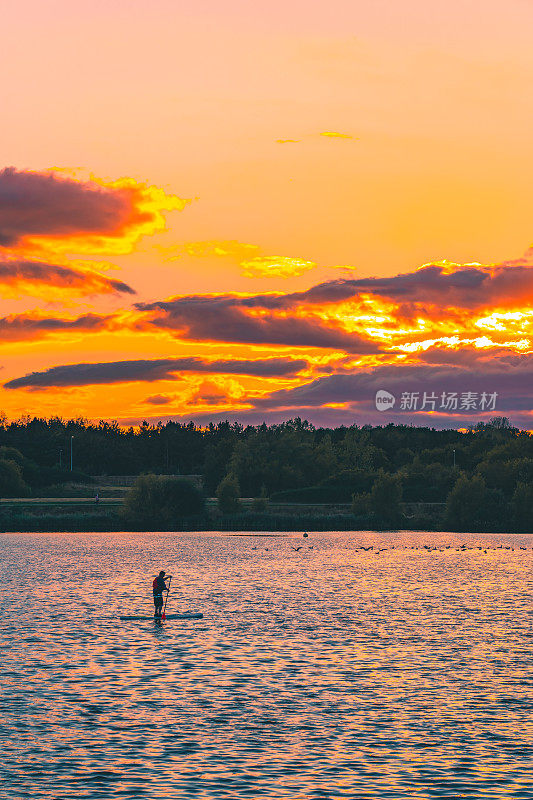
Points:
point(275, 267)
point(336, 135)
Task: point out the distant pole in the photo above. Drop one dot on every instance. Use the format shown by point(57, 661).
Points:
point(71, 440)
point(454, 458)
point(60, 459)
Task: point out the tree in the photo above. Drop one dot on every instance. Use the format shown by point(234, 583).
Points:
point(158, 500)
point(522, 507)
point(385, 497)
point(12, 454)
point(471, 506)
point(228, 494)
point(11, 481)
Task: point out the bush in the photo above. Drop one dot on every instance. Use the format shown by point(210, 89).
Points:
point(471, 506)
point(228, 495)
point(385, 498)
point(11, 481)
point(157, 501)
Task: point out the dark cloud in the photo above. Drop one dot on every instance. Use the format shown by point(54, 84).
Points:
point(209, 398)
point(511, 378)
point(468, 356)
point(227, 319)
point(158, 400)
point(23, 327)
point(437, 290)
point(465, 287)
point(44, 204)
point(151, 370)
point(15, 272)
point(453, 285)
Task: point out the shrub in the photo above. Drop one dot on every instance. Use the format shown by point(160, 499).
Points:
point(157, 501)
point(11, 481)
point(228, 495)
point(385, 497)
point(471, 506)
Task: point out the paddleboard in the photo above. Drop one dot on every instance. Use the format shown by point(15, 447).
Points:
point(186, 615)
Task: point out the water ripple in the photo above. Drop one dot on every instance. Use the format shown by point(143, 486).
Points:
point(323, 673)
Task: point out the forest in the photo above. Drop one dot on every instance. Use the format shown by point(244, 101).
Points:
point(484, 474)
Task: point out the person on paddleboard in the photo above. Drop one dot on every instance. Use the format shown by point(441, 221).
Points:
point(159, 586)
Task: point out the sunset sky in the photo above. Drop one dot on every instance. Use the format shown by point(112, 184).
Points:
point(254, 211)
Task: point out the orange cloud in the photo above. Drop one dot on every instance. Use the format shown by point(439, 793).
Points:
point(275, 267)
point(336, 135)
point(39, 278)
point(40, 210)
point(29, 327)
point(213, 248)
point(253, 265)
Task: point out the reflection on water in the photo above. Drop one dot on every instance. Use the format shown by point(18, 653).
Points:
point(318, 673)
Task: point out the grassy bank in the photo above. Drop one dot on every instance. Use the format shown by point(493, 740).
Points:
point(42, 519)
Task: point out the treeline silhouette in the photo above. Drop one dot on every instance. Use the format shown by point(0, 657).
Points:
point(484, 474)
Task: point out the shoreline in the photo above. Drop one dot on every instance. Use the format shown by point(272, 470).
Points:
point(257, 531)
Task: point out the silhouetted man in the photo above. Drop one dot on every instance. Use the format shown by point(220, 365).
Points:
point(159, 586)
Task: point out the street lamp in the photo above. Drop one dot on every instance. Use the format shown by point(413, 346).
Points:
point(454, 458)
point(71, 440)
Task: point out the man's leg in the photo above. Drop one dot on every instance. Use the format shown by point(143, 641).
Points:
point(158, 606)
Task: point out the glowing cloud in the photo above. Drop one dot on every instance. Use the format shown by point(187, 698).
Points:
point(336, 135)
point(220, 249)
point(253, 264)
point(24, 327)
point(31, 277)
point(275, 266)
point(229, 318)
point(154, 370)
point(40, 209)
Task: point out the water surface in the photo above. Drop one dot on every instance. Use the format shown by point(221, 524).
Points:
point(318, 673)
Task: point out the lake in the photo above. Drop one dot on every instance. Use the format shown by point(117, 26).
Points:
point(315, 673)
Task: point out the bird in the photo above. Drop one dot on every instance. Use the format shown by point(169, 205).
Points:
point(296, 549)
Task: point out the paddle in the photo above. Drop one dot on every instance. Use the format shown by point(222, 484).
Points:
point(163, 615)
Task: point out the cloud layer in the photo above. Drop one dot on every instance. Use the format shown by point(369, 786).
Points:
point(48, 206)
point(440, 329)
point(26, 275)
point(28, 327)
point(152, 370)
point(227, 318)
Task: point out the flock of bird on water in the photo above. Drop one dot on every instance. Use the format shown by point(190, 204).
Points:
point(461, 549)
